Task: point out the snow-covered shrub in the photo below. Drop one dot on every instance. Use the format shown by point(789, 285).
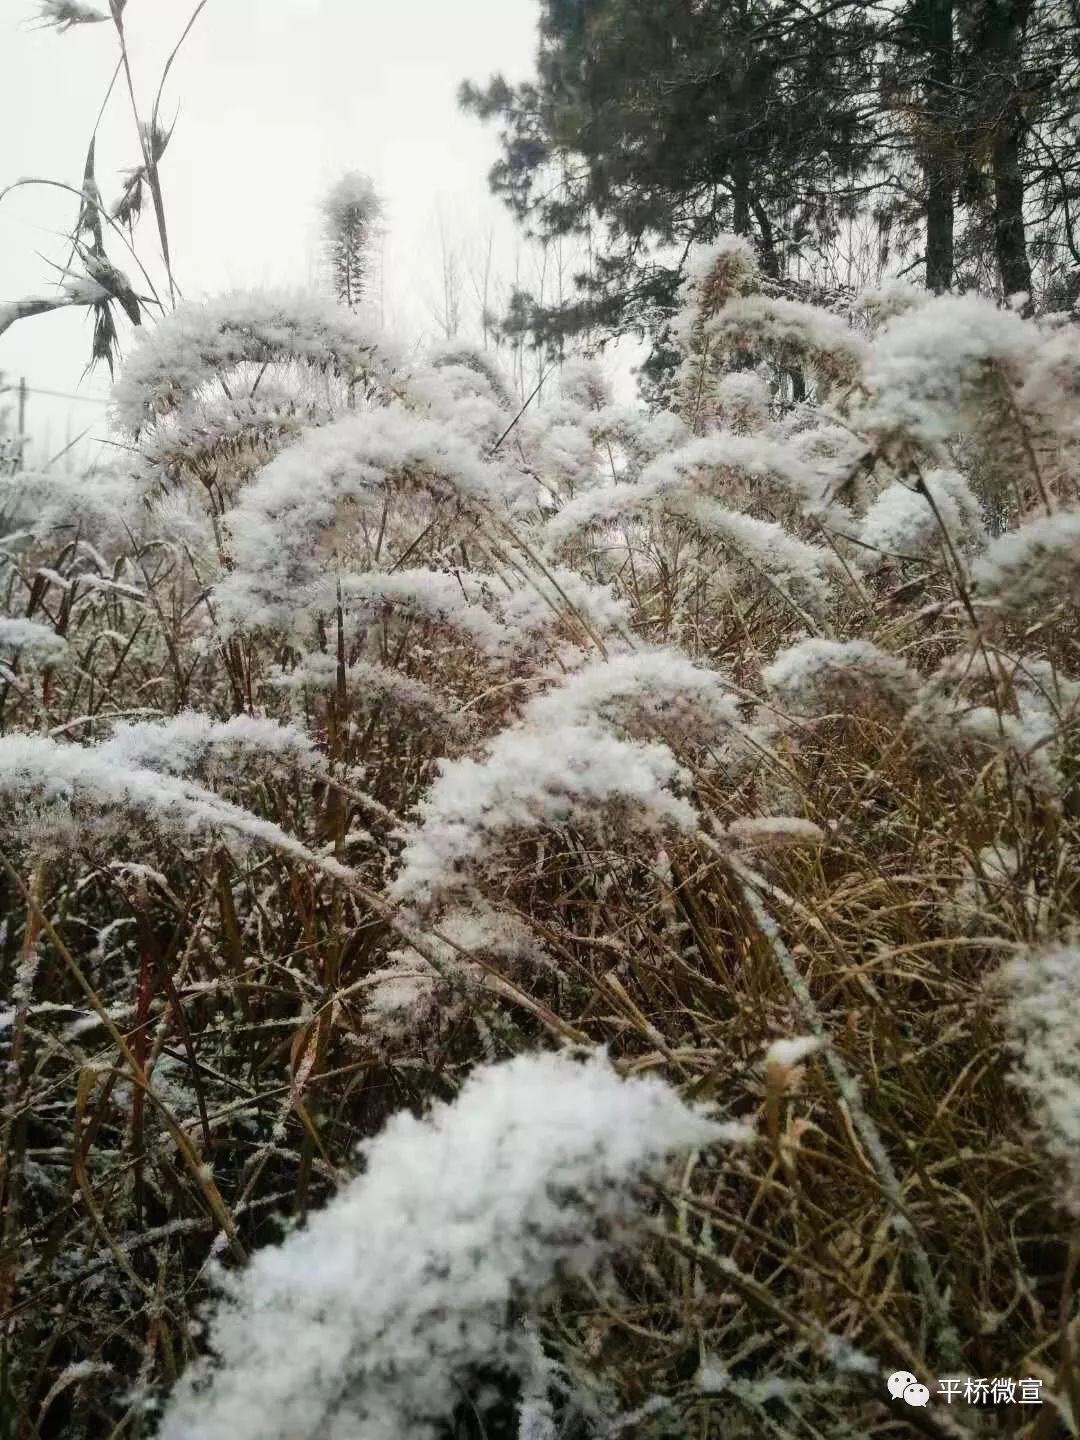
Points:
point(918, 522)
point(1034, 564)
point(381, 1317)
point(357, 731)
point(819, 676)
point(199, 346)
point(564, 776)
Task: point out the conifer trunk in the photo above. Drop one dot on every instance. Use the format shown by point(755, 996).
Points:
point(940, 212)
point(1010, 237)
point(1006, 32)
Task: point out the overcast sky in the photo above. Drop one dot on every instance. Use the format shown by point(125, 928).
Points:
point(275, 99)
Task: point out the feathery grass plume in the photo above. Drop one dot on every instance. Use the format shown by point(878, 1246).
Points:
point(221, 441)
point(823, 677)
point(583, 382)
point(917, 522)
point(540, 603)
point(390, 1306)
point(1037, 563)
point(999, 892)
point(1043, 688)
point(645, 693)
point(1051, 384)
point(623, 437)
point(1005, 716)
point(198, 344)
point(569, 456)
point(710, 465)
point(89, 793)
point(457, 355)
point(636, 436)
point(285, 525)
point(191, 743)
point(350, 213)
point(883, 302)
point(717, 275)
point(369, 685)
point(722, 464)
point(801, 571)
point(535, 779)
point(415, 991)
point(597, 509)
point(793, 335)
point(31, 641)
point(940, 367)
point(743, 401)
point(100, 506)
point(63, 14)
point(1024, 741)
point(454, 601)
point(459, 400)
point(774, 832)
point(1042, 1001)
point(583, 747)
point(837, 459)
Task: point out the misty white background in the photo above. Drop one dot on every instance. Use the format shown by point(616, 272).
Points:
point(274, 99)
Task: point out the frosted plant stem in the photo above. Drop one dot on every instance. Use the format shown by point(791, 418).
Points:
point(204, 1181)
point(848, 1088)
point(147, 143)
point(112, 223)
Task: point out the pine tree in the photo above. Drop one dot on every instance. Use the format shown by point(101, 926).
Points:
point(983, 101)
point(916, 89)
point(1052, 153)
point(663, 125)
point(1005, 88)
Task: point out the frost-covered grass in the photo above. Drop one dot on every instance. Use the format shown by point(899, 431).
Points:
point(370, 751)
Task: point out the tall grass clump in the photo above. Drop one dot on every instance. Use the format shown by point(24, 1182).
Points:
point(545, 924)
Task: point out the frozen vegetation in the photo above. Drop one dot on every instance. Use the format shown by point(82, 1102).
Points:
point(541, 921)
point(677, 814)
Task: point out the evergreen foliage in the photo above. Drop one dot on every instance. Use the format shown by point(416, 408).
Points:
point(947, 126)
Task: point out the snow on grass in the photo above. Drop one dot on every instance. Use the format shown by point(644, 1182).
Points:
point(369, 1322)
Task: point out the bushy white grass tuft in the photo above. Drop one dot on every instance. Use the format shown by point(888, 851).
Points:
point(376, 1320)
point(1037, 562)
point(200, 343)
point(817, 677)
point(531, 779)
point(1043, 1001)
